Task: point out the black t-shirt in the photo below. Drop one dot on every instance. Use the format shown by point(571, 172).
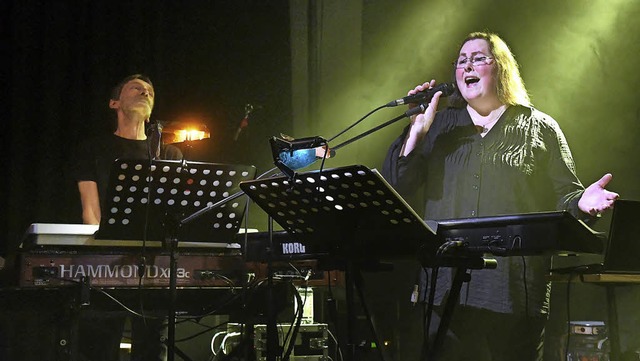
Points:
point(95, 157)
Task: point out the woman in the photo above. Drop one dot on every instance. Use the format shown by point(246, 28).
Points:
point(491, 153)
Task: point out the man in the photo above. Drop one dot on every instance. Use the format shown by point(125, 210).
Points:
point(491, 153)
point(132, 100)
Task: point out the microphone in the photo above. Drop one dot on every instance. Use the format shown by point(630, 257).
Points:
point(425, 95)
point(248, 109)
point(154, 138)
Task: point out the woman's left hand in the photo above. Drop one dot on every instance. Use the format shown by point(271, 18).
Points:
point(596, 199)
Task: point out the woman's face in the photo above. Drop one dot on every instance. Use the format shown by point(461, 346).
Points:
point(475, 72)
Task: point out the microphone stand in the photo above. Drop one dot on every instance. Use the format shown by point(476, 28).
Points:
point(272, 321)
point(173, 225)
point(272, 339)
point(413, 111)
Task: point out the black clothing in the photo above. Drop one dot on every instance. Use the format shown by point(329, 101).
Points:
point(100, 334)
point(96, 156)
point(477, 334)
point(523, 164)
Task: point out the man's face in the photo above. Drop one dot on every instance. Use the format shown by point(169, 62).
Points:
point(136, 96)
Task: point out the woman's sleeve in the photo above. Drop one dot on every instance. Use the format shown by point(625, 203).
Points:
point(406, 173)
point(562, 172)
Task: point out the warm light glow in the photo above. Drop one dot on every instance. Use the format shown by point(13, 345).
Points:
point(177, 132)
point(190, 134)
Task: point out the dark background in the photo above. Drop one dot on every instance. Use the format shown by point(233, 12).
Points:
point(206, 59)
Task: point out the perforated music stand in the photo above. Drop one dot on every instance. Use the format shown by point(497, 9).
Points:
point(139, 195)
point(350, 211)
point(150, 200)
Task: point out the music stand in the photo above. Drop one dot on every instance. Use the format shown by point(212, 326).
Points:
point(139, 197)
point(351, 211)
point(150, 200)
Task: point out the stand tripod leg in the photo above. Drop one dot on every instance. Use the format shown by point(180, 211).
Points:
point(353, 279)
point(171, 314)
point(272, 321)
point(351, 317)
point(460, 277)
point(372, 328)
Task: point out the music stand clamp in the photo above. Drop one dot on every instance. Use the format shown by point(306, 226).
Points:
point(351, 211)
point(148, 200)
point(291, 154)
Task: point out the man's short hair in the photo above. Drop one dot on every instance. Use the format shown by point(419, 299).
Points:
point(115, 93)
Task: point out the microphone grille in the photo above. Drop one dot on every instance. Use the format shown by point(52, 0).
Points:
point(448, 89)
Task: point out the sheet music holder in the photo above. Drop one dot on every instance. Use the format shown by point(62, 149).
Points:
point(138, 194)
point(352, 213)
point(349, 211)
point(149, 199)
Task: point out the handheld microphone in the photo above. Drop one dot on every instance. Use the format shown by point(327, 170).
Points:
point(425, 95)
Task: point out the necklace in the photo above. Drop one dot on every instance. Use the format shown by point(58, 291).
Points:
point(483, 129)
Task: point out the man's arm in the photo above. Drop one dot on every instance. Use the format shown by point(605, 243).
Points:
point(90, 202)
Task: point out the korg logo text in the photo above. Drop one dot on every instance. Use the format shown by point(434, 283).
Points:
point(293, 248)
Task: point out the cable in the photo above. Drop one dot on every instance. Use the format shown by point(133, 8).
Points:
point(446, 246)
point(568, 305)
point(356, 123)
point(199, 333)
point(213, 342)
point(338, 349)
point(226, 337)
point(143, 250)
point(333, 317)
point(430, 304)
point(298, 320)
point(524, 281)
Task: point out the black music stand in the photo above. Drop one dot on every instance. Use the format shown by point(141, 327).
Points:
point(351, 211)
point(150, 200)
point(141, 202)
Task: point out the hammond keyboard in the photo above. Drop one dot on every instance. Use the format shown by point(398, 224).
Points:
point(62, 254)
point(83, 235)
point(122, 270)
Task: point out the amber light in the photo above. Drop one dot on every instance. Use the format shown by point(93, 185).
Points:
point(190, 134)
point(178, 132)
